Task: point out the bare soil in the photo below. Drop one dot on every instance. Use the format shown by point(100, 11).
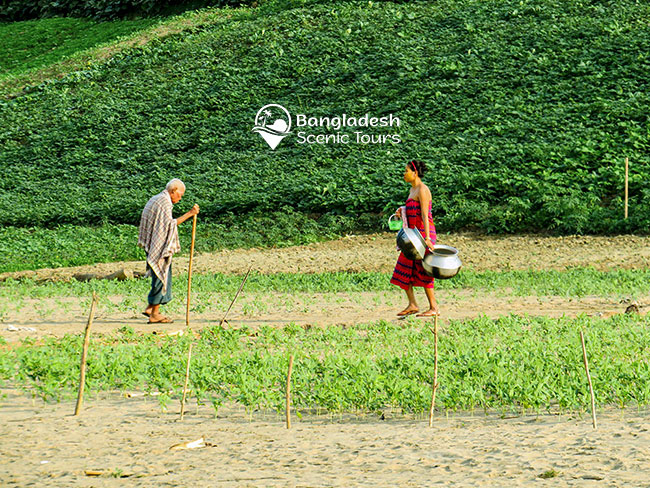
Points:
point(116, 438)
point(377, 252)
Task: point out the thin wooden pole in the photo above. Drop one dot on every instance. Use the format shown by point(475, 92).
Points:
point(84, 354)
point(591, 388)
point(288, 394)
point(187, 377)
point(189, 273)
point(435, 369)
point(626, 184)
point(241, 287)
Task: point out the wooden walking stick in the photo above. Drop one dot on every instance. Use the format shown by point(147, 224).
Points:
point(236, 295)
point(189, 274)
point(591, 388)
point(626, 185)
point(187, 377)
point(435, 369)
point(288, 393)
point(84, 354)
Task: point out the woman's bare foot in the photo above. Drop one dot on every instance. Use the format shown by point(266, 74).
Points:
point(432, 312)
point(410, 310)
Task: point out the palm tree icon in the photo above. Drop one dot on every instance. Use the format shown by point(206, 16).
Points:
point(265, 115)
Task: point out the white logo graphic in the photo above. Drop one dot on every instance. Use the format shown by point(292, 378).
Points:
point(273, 123)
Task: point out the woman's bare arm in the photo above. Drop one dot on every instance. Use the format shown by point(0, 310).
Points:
point(425, 201)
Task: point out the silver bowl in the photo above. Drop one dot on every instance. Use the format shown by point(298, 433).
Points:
point(443, 263)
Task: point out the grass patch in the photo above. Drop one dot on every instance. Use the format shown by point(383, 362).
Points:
point(551, 473)
point(77, 51)
point(508, 363)
point(33, 44)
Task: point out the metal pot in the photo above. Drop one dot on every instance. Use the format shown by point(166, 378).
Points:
point(442, 263)
point(411, 243)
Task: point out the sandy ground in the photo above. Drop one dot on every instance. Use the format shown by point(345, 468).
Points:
point(127, 442)
point(377, 253)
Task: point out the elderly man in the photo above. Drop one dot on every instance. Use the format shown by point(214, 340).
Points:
point(158, 235)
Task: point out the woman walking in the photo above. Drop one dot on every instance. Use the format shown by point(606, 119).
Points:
point(409, 274)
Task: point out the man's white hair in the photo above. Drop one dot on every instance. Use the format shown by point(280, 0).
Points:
point(175, 184)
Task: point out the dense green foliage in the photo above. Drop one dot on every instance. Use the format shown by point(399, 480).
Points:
point(34, 44)
point(101, 9)
point(524, 111)
point(511, 362)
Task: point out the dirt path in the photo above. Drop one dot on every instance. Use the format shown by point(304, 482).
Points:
point(38, 318)
point(117, 438)
point(377, 253)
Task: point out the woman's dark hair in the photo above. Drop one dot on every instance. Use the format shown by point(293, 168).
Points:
point(418, 166)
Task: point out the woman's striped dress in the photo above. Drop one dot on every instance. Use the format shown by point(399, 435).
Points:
point(411, 273)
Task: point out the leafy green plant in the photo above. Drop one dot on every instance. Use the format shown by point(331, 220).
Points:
point(551, 473)
point(509, 363)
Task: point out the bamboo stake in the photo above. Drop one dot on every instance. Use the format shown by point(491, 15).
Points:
point(236, 295)
point(591, 388)
point(187, 377)
point(84, 354)
point(189, 273)
point(626, 184)
point(288, 394)
point(435, 369)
